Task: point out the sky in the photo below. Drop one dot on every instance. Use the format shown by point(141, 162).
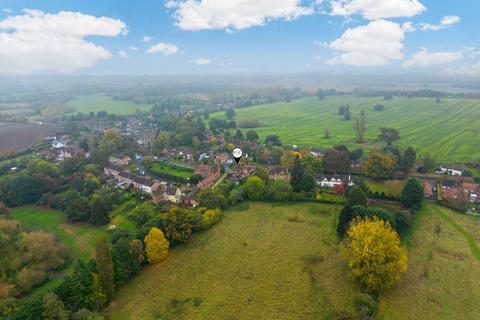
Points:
point(239, 36)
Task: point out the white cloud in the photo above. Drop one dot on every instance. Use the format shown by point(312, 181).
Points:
point(164, 48)
point(473, 71)
point(7, 10)
point(446, 22)
point(38, 41)
point(197, 15)
point(377, 9)
point(123, 54)
point(133, 48)
point(408, 27)
point(424, 58)
point(321, 44)
point(376, 44)
point(202, 61)
point(147, 38)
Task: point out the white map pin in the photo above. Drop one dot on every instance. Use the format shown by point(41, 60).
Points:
point(237, 154)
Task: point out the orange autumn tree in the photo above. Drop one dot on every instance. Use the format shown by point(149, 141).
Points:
point(376, 259)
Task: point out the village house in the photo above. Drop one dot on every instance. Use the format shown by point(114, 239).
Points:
point(120, 162)
point(472, 190)
point(163, 192)
point(317, 153)
point(326, 181)
point(126, 178)
point(451, 189)
point(279, 173)
point(429, 188)
point(209, 173)
point(449, 171)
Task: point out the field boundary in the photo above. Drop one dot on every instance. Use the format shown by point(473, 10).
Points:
point(471, 240)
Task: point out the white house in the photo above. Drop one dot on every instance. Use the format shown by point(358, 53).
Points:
point(448, 171)
point(333, 181)
point(57, 144)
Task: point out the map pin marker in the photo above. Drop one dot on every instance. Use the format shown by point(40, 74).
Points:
point(237, 154)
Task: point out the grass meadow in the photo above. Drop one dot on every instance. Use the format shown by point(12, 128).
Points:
point(100, 102)
point(172, 170)
point(264, 261)
point(444, 269)
point(445, 129)
point(80, 238)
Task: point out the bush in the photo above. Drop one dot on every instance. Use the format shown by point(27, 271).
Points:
point(210, 217)
point(412, 194)
point(403, 221)
point(365, 304)
point(254, 188)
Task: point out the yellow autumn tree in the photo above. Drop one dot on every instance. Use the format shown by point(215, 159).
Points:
point(376, 259)
point(156, 246)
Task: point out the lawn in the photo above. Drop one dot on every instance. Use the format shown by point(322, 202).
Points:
point(172, 170)
point(100, 102)
point(80, 238)
point(444, 129)
point(267, 261)
point(444, 269)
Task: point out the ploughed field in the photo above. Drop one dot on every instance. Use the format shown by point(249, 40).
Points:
point(448, 130)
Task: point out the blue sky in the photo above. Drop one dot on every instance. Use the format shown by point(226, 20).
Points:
point(224, 36)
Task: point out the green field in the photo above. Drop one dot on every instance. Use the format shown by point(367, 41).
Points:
point(80, 238)
point(444, 269)
point(266, 262)
point(446, 130)
point(172, 170)
point(100, 102)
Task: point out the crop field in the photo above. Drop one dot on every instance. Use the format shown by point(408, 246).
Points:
point(445, 129)
point(173, 170)
point(263, 261)
point(80, 238)
point(20, 137)
point(95, 103)
point(444, 269)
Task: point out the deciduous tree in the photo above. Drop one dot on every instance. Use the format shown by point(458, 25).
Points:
point(376, 258)
point(103, 256)
point(53, 308)
point(156, 246)
point(379, 165)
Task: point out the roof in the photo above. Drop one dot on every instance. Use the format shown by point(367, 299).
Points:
point(140, 180)
point(171, 190)
point(320, 177)
point(450, 183)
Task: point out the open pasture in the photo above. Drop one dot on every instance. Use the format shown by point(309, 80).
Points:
point(447, 130)
point(268, 261)
point(100, 102)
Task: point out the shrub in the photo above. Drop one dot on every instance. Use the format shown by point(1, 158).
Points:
point(412, 194)
point(365, 304)
point(211, 217)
